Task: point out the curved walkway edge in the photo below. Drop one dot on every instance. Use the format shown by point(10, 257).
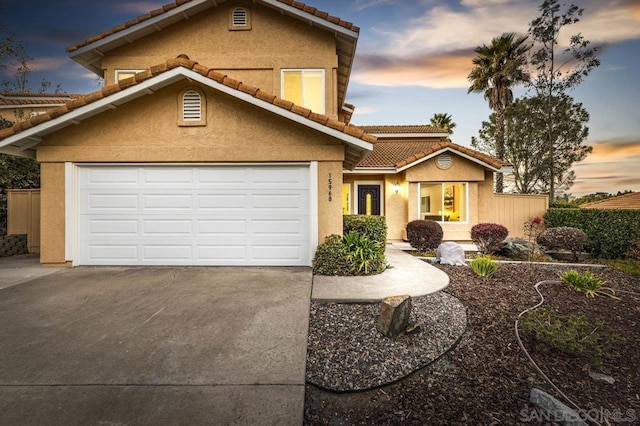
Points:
point(408, 275)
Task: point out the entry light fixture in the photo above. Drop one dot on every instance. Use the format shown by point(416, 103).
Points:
point(396, 187)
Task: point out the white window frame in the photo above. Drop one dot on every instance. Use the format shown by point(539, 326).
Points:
point(356, 199)
point(442, 184)
point(303, 70)
point(131, 71)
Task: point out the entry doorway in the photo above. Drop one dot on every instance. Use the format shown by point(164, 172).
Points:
point(369, 198)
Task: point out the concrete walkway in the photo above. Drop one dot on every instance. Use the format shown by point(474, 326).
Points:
point(16, 270)
point(408, 276)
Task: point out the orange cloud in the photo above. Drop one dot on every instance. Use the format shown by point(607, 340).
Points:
point(444, 70)
point(612, 166)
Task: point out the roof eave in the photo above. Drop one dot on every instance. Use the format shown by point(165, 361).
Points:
point(461, 154)
point(356, 148)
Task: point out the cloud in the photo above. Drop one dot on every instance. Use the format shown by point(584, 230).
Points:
point(603, 169)
point(426, 50)
point(366, 4)
point(139, 7)
point(437, 71)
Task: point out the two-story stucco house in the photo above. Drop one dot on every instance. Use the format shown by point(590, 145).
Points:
point(222, 137)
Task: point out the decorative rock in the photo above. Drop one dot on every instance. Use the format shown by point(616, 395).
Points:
point(602, 377)
point(555, 410)
point(450, 253)
point(568, 255)
point(393, 318)
point(516, 248)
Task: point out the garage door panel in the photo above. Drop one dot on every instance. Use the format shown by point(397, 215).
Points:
point(168, 227)
point(206, 215)
point(109, 226)
point(222, 227)
point(223, 201)
point(112, 202)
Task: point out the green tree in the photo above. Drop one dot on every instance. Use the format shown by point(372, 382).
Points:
point(443, 121)
point(498, 68)
point(526, 147)
point(557, 70)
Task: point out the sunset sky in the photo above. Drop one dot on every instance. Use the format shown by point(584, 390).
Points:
point(412, 61)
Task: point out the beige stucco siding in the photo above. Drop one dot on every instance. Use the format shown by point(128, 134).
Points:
point(461, 170)
point(146, 131)
point(256, 57)
point(52, 219)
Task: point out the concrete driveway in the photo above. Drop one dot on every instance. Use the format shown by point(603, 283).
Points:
point(155, 345)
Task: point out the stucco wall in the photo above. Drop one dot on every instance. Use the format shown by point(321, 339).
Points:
point(274, 42)
point(146, 130)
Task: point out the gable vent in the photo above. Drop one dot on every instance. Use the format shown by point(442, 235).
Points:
point(444, 161)
point(239, 17)
point(191, 106)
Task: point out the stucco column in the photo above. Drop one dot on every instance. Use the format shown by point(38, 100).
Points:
point(52, 221)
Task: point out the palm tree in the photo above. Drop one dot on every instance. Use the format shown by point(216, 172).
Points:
point(443, 121)
point(497, 68)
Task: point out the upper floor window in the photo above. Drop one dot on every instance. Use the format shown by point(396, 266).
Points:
point(444, 202)
point(304, 88)
point(240, 19)
point(124, 74)
point(192, 108)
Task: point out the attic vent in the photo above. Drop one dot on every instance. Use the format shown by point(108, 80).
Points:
point(444, 161)
point(239, 17)
point(191, 106)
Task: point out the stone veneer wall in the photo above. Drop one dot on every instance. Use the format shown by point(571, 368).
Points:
point(11, 245)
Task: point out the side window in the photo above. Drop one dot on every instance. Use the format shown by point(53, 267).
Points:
point(192, 111)
point(240, 19)
point(124, 74)
point(304, 88)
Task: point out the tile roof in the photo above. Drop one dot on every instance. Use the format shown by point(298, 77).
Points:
point(183, 61)
point(166, 8)
point(17, 99)
point(400, 153)
point(630, 201)
point(412, 128)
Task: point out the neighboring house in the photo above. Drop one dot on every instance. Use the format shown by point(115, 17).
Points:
point(22, 106)
point(629, 201)
point(202, 148)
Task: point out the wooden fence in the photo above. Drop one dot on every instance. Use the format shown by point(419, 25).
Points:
point(513, 210)
point(23, 215)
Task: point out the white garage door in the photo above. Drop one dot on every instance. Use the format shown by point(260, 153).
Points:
point(206, 215)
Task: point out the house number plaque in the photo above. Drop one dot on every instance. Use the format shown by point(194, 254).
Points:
point(330, 187)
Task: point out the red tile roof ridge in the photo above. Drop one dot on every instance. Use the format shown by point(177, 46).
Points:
point(402, 128)
point(185, 62)
point(168, 7)
point(631, 200)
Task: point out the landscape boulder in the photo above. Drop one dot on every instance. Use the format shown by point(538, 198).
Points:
point(393, 318)
point(450, 253)
point(517, 248)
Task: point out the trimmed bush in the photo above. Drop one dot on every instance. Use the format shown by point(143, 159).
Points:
point(489, 237)
point(332, 257)
point(424, 235)
point(374, 227)
point(353, 254)
point(610, 232)
point(564, 238)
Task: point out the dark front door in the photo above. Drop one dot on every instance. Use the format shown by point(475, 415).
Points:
point(369, 199)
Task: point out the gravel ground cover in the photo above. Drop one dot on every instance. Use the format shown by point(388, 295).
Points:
point(485, 378)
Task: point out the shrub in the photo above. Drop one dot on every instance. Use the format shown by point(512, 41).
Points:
point(331, 257)
point(365, 255)
point(634, 249)
point(353, 254)
point(483, 266)
point(374, 227)
point(488, 236)
point(586, 283)
point(424, 235)
point(569, 334)
point(610, 232)
point(565, 238)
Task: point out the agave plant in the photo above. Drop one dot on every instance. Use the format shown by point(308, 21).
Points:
point(483, 266)
point(587, 283)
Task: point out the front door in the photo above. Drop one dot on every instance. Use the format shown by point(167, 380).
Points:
point(369, 200)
